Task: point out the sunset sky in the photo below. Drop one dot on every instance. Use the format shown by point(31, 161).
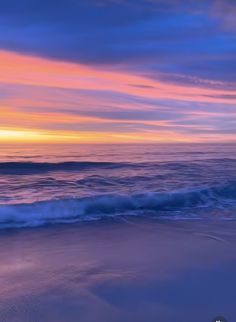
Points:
point(117, 71)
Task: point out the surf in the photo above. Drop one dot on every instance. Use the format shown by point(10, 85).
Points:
point(96, 207)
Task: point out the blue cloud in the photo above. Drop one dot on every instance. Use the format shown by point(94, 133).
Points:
point(152, 37)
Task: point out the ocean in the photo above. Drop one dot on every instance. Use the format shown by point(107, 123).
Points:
point(45, 184)
point(117, 233)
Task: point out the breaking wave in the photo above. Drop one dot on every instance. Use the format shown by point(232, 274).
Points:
point(110, 205)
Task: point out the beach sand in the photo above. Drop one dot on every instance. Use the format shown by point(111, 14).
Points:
point(128, 270)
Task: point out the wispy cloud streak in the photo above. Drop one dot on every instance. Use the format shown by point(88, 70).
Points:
point(114, 70)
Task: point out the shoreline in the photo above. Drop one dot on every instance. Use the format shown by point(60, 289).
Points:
point(117, 271)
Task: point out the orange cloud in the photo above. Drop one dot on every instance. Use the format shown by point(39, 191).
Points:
point(37, 115)
point(27, 70)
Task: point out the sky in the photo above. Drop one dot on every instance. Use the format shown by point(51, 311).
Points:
point(97, 71)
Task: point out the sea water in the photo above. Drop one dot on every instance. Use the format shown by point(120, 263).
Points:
point(47, 184)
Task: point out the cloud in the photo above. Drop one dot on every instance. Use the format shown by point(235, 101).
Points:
point(151, 37)
point(73, 100)
point(225, 12)
point(148, 69)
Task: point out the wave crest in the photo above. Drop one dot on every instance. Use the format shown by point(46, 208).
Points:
point(97, 207)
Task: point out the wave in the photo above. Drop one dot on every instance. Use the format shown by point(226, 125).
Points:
point(102, 206)
point(28, 168)
point(24, 168)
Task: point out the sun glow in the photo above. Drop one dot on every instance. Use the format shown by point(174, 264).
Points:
point(9, 135)
point(57, 102)
point(18, 136)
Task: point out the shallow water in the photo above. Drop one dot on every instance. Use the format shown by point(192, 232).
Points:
point(139, 270)
point(160, 247)
point(59, 184)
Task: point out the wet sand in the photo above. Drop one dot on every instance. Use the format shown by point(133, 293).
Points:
point(131, 270)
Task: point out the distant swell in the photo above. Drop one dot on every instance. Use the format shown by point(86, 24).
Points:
point(100, 206)
point(28, 168)
point(24, 168)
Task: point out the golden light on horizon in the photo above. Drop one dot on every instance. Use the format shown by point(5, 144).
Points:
point(30, 136)
point(14, 135)
point(9, 136)
point(47, 101)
